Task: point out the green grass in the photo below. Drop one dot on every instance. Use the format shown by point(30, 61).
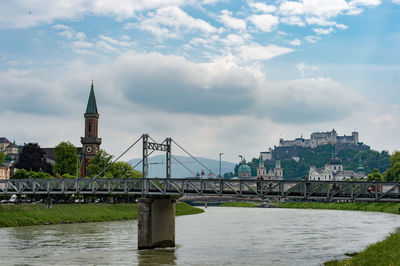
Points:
point(38, 214)
point(238, 204)
point(386, 252)
point(387, 207)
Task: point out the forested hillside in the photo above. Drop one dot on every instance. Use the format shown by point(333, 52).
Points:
point(322, 155)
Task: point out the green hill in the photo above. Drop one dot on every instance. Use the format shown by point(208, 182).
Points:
point(322, 155)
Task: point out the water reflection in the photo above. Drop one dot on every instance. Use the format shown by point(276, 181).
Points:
point(157, 257)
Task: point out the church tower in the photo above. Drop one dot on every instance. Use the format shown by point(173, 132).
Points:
point(261, 170)
point(90, 142)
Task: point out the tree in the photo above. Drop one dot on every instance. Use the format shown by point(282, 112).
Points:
point(2, 157)
point(375, 175)
point(116, 170)
point(23, 174)
point(123, 169)
point(393, 173)
point(20, 174)
point(32, 158)
point(66, 158)
point(98, 163)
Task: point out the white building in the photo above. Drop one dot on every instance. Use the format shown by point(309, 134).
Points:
point(333, 172)
point(261, 170)
point(276, 173)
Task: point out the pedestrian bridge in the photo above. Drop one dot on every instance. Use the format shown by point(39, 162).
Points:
point(156, 214)
point(177, 187)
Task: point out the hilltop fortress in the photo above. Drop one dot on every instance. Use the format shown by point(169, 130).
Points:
point(289, 149)
point(321, 138)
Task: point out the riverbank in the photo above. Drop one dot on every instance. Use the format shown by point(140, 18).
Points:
point(38, 214)
point(385, 252)
point(387, 207)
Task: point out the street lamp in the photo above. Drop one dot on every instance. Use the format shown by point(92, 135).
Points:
point(220, 176)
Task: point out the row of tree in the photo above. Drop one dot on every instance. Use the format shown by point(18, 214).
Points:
point(391, 174)
point(32, 163)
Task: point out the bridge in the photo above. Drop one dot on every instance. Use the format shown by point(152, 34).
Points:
point(178, 187)
point(156, 221)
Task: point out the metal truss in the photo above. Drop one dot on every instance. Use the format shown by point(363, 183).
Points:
point(266, 189)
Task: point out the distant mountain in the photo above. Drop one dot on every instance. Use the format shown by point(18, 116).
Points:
point(157, 166)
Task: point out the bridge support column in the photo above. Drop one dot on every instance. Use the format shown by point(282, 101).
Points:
point(156, 223)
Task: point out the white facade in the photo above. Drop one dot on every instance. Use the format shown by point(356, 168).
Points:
point(276, 173)
point(261, 170)
point(332, 172)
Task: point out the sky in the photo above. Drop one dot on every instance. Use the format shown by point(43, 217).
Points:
point(215, 75)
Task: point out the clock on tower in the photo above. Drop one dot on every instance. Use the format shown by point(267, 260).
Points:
point(91, 142)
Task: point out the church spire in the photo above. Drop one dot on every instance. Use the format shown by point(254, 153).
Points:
point(91, 105)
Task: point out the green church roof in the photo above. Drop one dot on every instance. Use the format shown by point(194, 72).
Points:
point(244, 168)
point(91, 105)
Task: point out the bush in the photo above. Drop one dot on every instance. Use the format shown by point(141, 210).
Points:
point(23, 174)
point(20, 174)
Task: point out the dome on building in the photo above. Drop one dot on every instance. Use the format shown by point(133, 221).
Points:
point(336, 161)
point(244, 168)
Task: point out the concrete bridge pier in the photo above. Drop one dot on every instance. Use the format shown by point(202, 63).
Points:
point(156, 222)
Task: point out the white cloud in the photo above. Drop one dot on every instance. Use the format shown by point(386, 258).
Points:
point(289, 8)
point(233, 39)
point(295, 42)
point(212, 2)
point(322, 31)
point(256, 51)
point(69, 33)
point(232, 22)
point(261, 7)
point(369, 3)
point(303, 68)
point(171, 22)
point(322, 22)
point(312, 39)
point(293, 20)
point(24, 14)
point(396, 1)
point(265, 22)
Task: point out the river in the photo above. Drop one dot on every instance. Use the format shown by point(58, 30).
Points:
point(220, 236)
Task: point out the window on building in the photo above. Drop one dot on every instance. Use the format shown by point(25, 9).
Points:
point(90, 127)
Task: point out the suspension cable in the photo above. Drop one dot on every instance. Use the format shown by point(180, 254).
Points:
point(105, 168)
point(193, 157)
point(173, 157)
point(128, 172)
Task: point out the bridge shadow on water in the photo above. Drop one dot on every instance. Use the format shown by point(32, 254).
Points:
point(162, 256)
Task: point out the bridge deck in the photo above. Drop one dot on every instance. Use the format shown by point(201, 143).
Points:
point(289, 189)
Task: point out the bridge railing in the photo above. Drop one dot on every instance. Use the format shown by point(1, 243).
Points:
point(290, 189)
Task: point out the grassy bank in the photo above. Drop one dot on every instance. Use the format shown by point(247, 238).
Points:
point(353, 206)
point(22, 215)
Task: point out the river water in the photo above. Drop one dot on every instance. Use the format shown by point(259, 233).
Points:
point(220, 236)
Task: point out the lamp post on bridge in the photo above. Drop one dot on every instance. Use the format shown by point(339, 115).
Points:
point(220, 154)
